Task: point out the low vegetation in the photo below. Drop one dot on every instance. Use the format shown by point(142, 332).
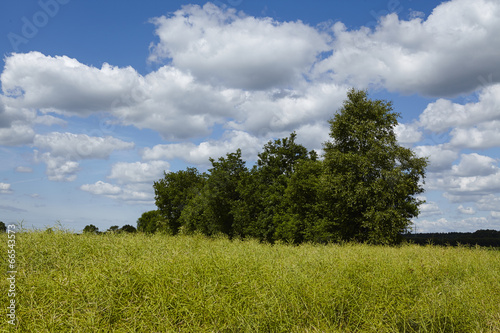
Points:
point(138, 282)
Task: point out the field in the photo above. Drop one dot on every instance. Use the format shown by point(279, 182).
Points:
point(139, 283)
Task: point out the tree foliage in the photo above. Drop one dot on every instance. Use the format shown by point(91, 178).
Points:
point(363, 189)
point(150, 221)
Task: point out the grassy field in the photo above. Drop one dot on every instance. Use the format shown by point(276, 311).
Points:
point(140, 283)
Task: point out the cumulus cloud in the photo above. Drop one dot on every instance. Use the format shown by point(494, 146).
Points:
point(435, 57)
point(466, 210)
point(200, 154)
point(443, 114)
point(481, 136)
point(408, 133)
point(65, 149)
point(116, 192)
point(475, 165)
point(440, 157)
point(138, 172)
point(223, 46)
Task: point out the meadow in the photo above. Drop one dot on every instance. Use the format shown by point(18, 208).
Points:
point(157, 283)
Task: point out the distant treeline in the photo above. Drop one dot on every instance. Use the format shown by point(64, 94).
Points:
point(480, 237)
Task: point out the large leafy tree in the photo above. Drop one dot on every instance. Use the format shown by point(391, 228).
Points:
point(174, 191)
point(372, 181)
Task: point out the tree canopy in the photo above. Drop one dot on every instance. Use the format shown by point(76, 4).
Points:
point(364, 188)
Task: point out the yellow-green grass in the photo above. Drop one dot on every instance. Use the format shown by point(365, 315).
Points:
point(139, 283)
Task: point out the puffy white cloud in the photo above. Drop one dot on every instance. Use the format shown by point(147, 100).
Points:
point(443, 114)
point(62, 84)
point(138, 172)
point(16, 135)
point(58, 167)
point(279, 110)
point(440, 157)
point(65, 149)
point(129, 194)
point(466, 210)
point(437, 57)
point(200, 154)
point(5, 188)
point(408, 133)
point(225, 47)
point(481, 136)
point(79, 146)
point(475, 165)
point(101, 188)
point(168, 100)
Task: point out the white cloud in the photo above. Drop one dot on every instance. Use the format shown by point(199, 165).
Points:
point(101, 188)
point(62, 84)
point(200, 154)
point(79, 146)
point(443, 114)
point(168, 100)
point(440, 157)
point(407, 133)
point(128, 193)
point(16, 135)
point(279, 110)
point(138, 172)
point(65, 149)
point(5, 188)
point(225, 47)
point(466, 210)
point(429, 208)
point(481, 136)
point(475, 165)
point(438, 56)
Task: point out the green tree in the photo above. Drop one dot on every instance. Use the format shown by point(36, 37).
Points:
point(149, 222)
point(113, 228)
point(371, 180)
point(212, 211)
point(302, 198)
point(262, 207)
point(174, 191)
point(91, 229)
point(3, 227)
point(128, 228)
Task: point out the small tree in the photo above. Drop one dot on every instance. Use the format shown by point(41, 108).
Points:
point(92, 229)
point(113, 228)
point(3, 227)
point(371, 180)
point(149, 222)
point(128, 228)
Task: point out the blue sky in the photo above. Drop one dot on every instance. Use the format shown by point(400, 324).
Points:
point(98, 98)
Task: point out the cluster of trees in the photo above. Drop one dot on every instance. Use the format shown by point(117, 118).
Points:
point(92, 229)
point(483, 237)
point(362, 189)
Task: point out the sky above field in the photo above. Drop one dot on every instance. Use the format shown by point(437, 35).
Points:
point(99, 98)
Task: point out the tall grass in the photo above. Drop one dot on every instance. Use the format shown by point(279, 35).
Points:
point(141, 283)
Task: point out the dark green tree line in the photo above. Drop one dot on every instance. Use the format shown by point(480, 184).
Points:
point(363, 189)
